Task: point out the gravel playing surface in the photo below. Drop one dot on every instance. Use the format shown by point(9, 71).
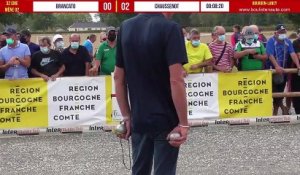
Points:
point(212, 150)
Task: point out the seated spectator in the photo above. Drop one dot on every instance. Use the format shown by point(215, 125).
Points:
point(199, 55)
point(279, 48)
point(251, 53)
point(25, 39)
point(222, 51)
point(88, 44)
point(106, 55)
point(47, 63)
point(58, 43)
point(76, 58)
point(14, 57)
point(236, 36)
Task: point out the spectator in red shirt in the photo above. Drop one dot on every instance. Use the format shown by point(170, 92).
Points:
point(222, 51)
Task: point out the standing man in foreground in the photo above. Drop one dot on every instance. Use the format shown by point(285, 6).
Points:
point(150, 54)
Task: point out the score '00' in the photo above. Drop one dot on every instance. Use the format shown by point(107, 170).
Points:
point(107, 6)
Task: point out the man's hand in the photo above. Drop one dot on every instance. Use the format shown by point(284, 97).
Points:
point(93, 71)
point(53, 77)
point(45, 77)
point(193, 67)
point(183, 136)
point(128, 131)
point(279, 70)
point(12, 61)
point(251, 51)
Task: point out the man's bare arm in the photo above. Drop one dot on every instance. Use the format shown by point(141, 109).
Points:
point(26, 61)
point(295, 59)
point(121, 91)
point(178, 92)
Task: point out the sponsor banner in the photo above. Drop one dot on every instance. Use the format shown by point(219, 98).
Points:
point(76, 101)
point(23, 103)
point(134, 6)
point(245, 94)
point(202, 96)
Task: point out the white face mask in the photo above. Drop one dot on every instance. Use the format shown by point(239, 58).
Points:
point(282, 36)
point(60, 44)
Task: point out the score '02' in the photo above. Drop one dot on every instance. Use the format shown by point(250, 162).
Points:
point(125, 6)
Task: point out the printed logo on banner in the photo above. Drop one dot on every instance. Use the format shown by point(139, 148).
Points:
point(77, 101)
point(202, 96)
point(245, 94)
point(23, 103)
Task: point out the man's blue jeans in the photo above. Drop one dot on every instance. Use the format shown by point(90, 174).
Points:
point(153, 146)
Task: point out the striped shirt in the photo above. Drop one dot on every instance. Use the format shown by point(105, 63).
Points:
point(216, 50)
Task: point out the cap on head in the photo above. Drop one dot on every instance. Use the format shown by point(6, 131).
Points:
point(57, 36)
point(110, 28)
point(10, 31)
point(280, 27)
point(248, 33)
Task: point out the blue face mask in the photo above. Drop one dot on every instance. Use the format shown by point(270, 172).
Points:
point(221, 38)
point(44, 50)
point(256, 36)
point(249, 41)
point(74, 45)
point(195, 43)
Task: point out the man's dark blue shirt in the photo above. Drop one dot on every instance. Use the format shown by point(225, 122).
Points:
point(147, 45)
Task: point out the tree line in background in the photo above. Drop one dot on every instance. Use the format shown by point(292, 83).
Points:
point(43, 22)
point(52, 22)
point(210, 20)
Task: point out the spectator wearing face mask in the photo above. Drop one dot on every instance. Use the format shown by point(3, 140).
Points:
point(279, 49)
point(250, 52)
point(25, 37)
point(14, 57)
point(76, 58)
point(88, 44)
point(58, 43)
point(47, 63)
point(221, 50)
point(199, 55)
point(106, 55)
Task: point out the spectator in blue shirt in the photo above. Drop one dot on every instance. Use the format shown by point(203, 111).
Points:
point(14, 57)
point(279, 49)
point(88, 44)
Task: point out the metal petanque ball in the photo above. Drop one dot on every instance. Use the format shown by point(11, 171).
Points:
point(120, 128)
point(174, 136)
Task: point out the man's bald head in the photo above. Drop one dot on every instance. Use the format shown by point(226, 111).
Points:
point(75, 37)
point(255, 29)
point(220, 30)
